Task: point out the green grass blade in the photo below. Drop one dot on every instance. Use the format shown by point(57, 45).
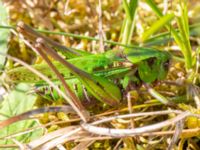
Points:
point(77, 36)
point(127, 9)
point(133, 8)
point(154, 7)
point(179, 40)
point(4, 34)
point(157, 26)
point(182, 21)
point(186, 48)
point(129, 22)
point(159, 14)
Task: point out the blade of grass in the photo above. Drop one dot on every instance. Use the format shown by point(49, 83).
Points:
point(157, 26)
point(182, 21)
point(154, 7)
point(184, 49)
point(71, 35)
point(129, 22)
point(127, 9)
point(191, 28)
point(163, 38)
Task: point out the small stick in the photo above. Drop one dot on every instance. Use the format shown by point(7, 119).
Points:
point(83, 145)
point(49, 136)
point(194, 131)
point(27, 114)
point(60, 140)
point(60, 147)
point(130, 109)
point(133, 115)
point(176, 135)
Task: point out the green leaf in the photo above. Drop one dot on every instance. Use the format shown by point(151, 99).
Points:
point(4, 34)
point(157, 26)
point(16, 103)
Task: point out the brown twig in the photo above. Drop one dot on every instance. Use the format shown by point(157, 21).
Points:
point(27, 114)
point(130, 132)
